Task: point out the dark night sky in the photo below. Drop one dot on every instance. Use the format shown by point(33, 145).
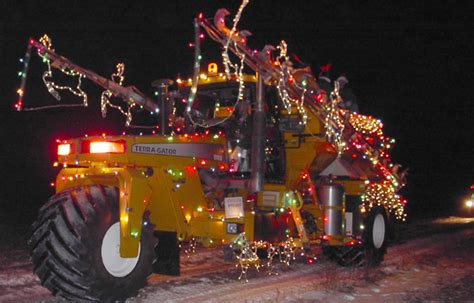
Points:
point(408, 63)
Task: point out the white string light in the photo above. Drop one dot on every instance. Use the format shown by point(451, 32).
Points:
point(53, 87)
point(117, 77)
point(333, 121)
point(237, 70)
point(285, 72)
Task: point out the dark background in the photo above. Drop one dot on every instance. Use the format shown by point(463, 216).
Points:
point(409, 63)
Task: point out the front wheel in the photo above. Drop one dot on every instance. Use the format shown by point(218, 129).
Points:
point(374, 243)
point(75, 247)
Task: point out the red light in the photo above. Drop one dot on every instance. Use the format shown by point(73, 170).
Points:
point(310, 261)
point(251, 198)
point(222, 167)
point(31, 41)
point(190, 45)
point(201, 36)
point(102, 147)
point(64, 149)
point(52, 184)
point(191, 169)
point(203, 162)
point(200, 16)
point(325, 237)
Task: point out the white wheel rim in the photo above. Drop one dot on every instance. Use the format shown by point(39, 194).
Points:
point(110, 252)
point(378, 231)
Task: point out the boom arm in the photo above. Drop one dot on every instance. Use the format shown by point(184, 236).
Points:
point(130, 93)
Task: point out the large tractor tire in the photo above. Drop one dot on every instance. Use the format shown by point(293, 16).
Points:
point(374, 243)
point(75, 247)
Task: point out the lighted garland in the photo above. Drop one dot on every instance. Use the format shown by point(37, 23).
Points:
point(366, 125)
point(22, 74)
point(117, 77)
point(237, 68)
point(285, 76)
point(333, 121)
point(53, 87)
point(383, 194)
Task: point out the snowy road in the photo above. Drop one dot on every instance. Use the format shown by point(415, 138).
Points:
point(433, 262)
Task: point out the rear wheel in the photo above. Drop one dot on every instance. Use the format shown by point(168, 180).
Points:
point(75, 247)
point(374, 243)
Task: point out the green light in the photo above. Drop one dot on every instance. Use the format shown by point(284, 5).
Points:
point(134, 234)
point(157, 93)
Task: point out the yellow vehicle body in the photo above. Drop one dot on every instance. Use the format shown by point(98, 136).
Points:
point(159, 174)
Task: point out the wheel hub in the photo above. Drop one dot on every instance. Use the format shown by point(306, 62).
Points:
point(378, 231)
point(110, 252)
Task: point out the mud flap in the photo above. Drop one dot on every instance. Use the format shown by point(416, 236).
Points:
point(167, 254)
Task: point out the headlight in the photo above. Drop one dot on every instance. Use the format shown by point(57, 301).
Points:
point(469, 203)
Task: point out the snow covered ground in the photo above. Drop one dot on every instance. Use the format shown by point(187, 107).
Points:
point(433, 260)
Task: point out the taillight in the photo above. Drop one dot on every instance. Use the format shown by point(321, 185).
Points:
point(101, 147)
point(64, 149)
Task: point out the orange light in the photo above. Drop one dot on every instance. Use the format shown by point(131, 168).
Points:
point(107, 147)
point(64, 149)
point(212, 68)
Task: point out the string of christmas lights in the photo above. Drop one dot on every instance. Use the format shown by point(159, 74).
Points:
point(23, 74)
point(383, 194)
point(247, 257)
point(366, 125)
point(333, 122)
point(117, 77)
point(52, 86)
point(238, 73)
point(285, 76)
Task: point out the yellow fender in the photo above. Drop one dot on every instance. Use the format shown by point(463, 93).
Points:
point(134, 196)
